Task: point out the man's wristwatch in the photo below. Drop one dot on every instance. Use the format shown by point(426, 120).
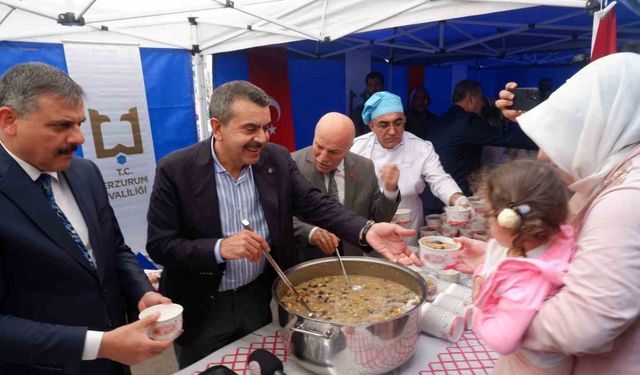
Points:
point(363, 232)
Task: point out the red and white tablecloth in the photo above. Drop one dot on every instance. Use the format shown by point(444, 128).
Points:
point(432, 357)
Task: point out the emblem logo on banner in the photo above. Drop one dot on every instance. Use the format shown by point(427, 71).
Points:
point(118, 138)
point(96, 127)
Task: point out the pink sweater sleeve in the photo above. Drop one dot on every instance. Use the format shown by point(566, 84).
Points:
point(507, 303)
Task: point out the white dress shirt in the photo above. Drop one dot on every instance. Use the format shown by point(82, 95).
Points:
point(238, 199)
point(67, 203)
point(419, 165)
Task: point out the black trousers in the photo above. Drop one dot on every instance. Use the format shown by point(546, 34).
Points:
point(234, 314)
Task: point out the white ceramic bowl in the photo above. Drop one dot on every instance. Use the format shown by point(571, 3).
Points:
point(438, 252)
point(169, 324)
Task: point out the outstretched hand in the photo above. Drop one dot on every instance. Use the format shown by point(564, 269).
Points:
point(386, 238)
point(471, 255)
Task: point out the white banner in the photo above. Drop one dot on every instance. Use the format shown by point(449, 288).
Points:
point(117, 129)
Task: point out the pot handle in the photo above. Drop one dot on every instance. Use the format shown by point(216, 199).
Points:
point(299, 327)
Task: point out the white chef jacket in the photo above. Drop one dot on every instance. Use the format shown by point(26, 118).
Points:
point(418, 163)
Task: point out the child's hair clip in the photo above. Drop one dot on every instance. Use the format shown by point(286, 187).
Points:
point(511, 216)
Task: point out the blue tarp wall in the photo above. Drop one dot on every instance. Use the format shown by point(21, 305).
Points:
point(318, 86)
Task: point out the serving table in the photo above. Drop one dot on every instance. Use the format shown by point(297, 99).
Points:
point(432, 356)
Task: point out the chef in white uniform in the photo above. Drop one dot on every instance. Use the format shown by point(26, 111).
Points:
point(418, 163)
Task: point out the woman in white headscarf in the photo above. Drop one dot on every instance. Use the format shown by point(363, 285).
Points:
point(590, 129)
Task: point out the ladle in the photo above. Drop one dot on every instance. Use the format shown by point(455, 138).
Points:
point(246, 225)
point(355, 287)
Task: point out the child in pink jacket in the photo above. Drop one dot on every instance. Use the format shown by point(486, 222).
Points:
point(525, 262)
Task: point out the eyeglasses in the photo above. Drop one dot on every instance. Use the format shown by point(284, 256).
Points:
point(397, 124)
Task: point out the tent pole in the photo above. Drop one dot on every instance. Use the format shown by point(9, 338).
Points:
point(7, 15)
point(32, 10)
point(201, 97)
point(199, 81)
point(274, 21)
point(85, 9)
point(208, 43)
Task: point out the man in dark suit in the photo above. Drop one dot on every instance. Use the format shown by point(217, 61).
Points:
point(419, 117)
point(214, 267)
point(460, 133)
point(65, 272)
point(348, 177)
point(375, 83)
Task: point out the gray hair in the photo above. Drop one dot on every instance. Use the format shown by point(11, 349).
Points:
point(23, 84)
point(223, 96)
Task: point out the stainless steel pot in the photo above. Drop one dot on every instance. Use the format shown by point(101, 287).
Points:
point(369, 348)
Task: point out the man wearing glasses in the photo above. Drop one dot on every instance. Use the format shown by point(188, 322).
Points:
point(418, 163)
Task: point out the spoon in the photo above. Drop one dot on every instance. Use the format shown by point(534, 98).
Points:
point(310, 313)
point(354, 287)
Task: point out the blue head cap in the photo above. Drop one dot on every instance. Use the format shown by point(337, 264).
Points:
point(381, 103)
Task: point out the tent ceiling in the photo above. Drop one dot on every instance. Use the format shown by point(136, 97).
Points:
point(226, 25)
point(405, 32)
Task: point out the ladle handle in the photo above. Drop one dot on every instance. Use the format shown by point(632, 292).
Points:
point(246, 225)
point(344, 271)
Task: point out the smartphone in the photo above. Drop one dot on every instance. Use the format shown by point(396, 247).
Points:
point(526, 98)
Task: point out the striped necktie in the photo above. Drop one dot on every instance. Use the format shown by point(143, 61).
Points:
point(44, 181)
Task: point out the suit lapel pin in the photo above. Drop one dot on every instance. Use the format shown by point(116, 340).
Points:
point(270, 170)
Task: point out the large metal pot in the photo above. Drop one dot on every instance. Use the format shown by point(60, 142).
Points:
point(369, 348)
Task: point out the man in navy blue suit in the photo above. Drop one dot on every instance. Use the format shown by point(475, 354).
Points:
point(66, 275)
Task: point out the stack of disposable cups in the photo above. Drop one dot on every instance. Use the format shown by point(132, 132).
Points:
point(459, 291)
point(441, 323)
point(455, 305)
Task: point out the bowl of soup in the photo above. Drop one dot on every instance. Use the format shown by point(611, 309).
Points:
point(438, 252)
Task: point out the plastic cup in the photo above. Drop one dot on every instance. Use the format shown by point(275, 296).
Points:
point(438, 252)
point(169, 324)
point(457, 215)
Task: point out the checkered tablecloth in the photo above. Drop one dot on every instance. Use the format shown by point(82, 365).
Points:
point(468, 356)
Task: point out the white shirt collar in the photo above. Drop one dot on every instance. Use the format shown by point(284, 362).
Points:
point(340, 167)
point(219, 168)
point(32, 171)
point(538, 251)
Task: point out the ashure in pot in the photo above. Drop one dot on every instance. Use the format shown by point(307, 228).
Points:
point(355, 348)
